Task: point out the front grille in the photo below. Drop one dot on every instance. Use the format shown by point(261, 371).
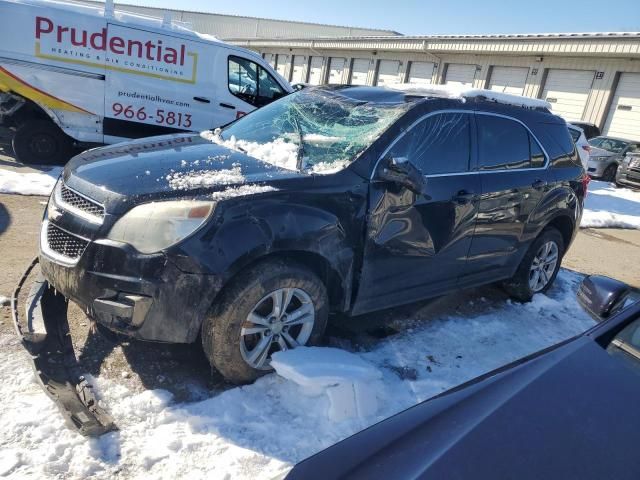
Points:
point(64, 243)
point(77, 201)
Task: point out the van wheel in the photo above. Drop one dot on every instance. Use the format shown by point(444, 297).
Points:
point(272, 307)
point(41, 142)
point(609, 174)
point(539, 267)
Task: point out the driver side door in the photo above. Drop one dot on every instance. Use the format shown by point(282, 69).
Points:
point(249, 86)
point(416, 245)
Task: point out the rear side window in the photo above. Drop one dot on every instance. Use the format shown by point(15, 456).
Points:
point(504, 144)
point(575, 134)
point(438, 144)
point(252, 83)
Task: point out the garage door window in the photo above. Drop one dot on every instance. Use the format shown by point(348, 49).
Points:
point(252, 83)
point(506, 144)
point(439, 144)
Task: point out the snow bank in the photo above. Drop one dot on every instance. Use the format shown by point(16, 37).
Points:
point(461, 92)
point(260, 430)
point(29, 183)
point(608, 206)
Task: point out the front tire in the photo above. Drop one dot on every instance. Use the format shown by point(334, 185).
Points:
point(272, 307)
point(539, 267)
point(609, 174)
point(41, 142)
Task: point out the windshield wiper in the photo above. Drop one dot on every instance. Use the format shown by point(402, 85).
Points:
point(300, 153)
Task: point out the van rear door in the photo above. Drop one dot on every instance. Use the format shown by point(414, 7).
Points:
point(156, 83)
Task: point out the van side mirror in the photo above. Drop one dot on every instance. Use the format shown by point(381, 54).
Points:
point(401, 171)
point(602, 297)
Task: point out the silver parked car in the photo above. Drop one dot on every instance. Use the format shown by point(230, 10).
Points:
point(629, 171)
point(607, 154)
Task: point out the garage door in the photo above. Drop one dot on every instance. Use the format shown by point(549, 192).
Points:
point(360, 71)
point(336, 70)
point(459, 74)
point(624, 117)
point(567, 91)
point(298, 74)
point(508, 79)
point(315, 70)
point(282, 65)
point(421, 72)
point(388, 72)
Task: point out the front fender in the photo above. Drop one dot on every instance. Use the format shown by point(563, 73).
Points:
point(244, 233)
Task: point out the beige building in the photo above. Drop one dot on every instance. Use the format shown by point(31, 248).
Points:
point(237, 26)
point(591, 77)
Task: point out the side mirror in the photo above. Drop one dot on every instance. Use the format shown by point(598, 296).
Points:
point(602, 297)
point(401, 171)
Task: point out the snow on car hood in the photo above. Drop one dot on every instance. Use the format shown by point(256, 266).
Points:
point(171, 165)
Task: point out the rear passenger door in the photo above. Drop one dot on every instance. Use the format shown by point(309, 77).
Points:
point(513, 175)
point(416, 245)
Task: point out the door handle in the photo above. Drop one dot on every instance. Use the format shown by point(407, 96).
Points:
point(463, 197)
point(538, 184)
point(202, 99)
point(226, 105)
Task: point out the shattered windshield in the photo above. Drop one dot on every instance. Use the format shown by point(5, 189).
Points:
point(317, 131)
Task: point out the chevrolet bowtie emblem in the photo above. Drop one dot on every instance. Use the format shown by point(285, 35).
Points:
point(54, 213)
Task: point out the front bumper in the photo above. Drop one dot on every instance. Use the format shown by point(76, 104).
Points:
point(596, 168)
point(628, 177)
point(146, 297)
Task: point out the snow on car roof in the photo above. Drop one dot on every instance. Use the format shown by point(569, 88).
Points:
point(463, 92)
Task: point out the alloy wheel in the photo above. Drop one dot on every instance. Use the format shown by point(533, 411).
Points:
point(543, 266)
point(281, 320)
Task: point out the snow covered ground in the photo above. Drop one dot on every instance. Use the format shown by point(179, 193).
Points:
point(29, 183)
point(260, 430)
point(608, 206)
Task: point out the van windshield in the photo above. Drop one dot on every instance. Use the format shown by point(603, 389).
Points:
point(317, 131)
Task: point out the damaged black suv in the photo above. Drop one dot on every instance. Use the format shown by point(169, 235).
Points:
point(333, 199)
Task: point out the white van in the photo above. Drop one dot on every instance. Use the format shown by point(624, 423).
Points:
point(74, 73)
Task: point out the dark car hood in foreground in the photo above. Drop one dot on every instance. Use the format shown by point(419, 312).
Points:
point(141, 168)
point(571, 413)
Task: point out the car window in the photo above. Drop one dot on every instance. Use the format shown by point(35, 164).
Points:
point(505, 144)
point(252, 83)
point(609, 144)
point(626, 345)
point(438, 144)
point(537, 155)
point(575, 134)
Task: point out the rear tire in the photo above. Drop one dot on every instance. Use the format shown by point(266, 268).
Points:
point(41, 142)
point(609, 174)
point(248, 305)
point(535, 274)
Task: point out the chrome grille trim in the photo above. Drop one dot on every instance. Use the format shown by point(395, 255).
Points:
point(78, 204)
point(61, 245)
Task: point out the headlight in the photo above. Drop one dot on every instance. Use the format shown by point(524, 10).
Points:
point(155, 226)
